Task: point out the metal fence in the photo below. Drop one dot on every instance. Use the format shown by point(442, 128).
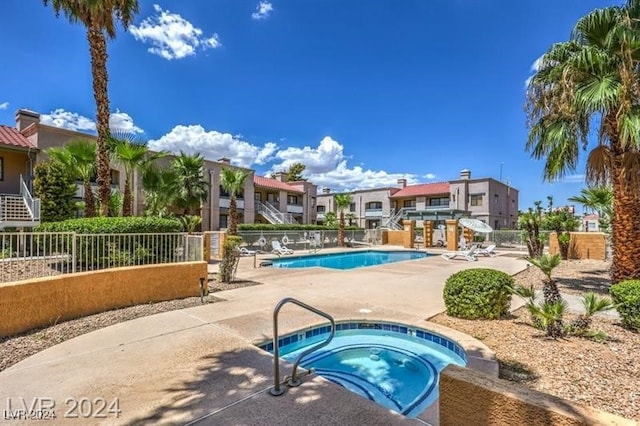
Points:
point(301, 240)
point(513, 239)
point(25, 255)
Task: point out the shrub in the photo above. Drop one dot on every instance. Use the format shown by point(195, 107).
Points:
point(96, 252)
point(230, 258)
point(626, 296)
point(55, 187)
point(478, 294)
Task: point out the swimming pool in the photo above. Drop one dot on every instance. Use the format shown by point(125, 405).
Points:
point(352, 260)
point(394, 365)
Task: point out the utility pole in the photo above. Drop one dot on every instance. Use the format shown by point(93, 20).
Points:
point(501, 164)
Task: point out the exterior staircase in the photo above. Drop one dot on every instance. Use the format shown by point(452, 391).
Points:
point(274, 215)
point(393, 221)
point(19, 211)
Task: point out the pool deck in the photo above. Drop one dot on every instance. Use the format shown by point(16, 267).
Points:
point(199, 365)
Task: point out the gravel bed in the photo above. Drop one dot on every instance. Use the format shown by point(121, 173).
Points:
point(16, 348)
point(604, 375)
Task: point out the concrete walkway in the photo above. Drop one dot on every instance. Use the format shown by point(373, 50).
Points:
point(200, 365)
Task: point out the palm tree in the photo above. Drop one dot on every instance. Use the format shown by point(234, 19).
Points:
point(79, 156)
point(592, 80)
point(191, 187)
point(232, 181)
point(547, 264)
point(597, 199)
point(550, 313)
point(530, 222)
point(100, 18)
point(159, 186)
point(343, 201)
point(133, 156)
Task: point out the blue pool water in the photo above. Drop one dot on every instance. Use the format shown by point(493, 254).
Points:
point(394, 365)
point(347, 260)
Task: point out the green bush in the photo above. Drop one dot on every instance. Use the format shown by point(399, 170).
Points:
point(626, 296)
point(109, 248)
point(230, 258)
point(55, 187)
point(290, 227)
point(478, 294)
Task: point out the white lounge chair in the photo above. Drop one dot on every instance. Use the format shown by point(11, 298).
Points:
point(469, 253)
point(489, 251)
point(246, 252)
point(278, 249)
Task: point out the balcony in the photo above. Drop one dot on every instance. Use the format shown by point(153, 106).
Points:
point(320, 216)
point(224, 203)
point(295, 208)
point(373, 213)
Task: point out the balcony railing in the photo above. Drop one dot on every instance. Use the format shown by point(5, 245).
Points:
point(295, 208)
point(373, 213)
point(225, 202)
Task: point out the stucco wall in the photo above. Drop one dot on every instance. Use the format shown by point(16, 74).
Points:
point(582, 245)
point(468, 397)
point(25, 305)
point(15, 164)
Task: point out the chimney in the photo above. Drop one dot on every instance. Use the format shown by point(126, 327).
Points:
point(465, 174)
point(402, 183)
point(281, 176)
point(224, 160)
point(25, 118)
point(326, 190)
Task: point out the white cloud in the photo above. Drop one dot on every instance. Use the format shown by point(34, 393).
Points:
point(68, 120)
point(535, 67)
point(576, 178)
point(213, 145)
point(4, 105)
point(327, 167)
point(429, 176)
point(171, 36)
point(263, 10)
point(121, 121)
point(118, 121)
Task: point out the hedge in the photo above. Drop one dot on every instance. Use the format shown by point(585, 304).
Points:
point(290, 227)
point(626, 296)
point(111, 249)
point(478, 294)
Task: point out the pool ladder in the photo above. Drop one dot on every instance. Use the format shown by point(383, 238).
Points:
point(294, 379)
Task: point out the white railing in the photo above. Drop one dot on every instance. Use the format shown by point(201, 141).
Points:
point(33, 204)
point(373, 213)
point(274, 215)
point(226, 202)
point(394, 217)
point(26, 255)
point(295, 208)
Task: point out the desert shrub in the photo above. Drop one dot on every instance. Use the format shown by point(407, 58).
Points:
point(230, 258)
point(626, 296)
point(478, 294)
point(110, 248)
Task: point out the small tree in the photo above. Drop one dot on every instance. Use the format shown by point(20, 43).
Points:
point(530, 222)
point(562, 222)
point(232, 181)
point(343, 201)
point(551, 312)
point(55, 186)
point(330, 219)
point(294, 174)
point(230, 258)
point(191, 188)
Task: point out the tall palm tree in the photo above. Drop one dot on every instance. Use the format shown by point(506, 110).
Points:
point(343, 201)
point(79, 156)
point(100, 18)
point(232, 181)
point(592, 80)
point(159, 187)
point(191, 186)
point(133, 156)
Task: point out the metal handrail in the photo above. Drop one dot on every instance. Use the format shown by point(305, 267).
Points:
point(294, 381)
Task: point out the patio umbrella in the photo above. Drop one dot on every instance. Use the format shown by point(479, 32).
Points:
point(476, 225)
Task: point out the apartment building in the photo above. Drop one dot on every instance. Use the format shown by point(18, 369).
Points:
point(263, 199)
point(486, 199)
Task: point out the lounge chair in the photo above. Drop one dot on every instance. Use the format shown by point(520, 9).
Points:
point(469, 253)
point(278, 249)
point(246, 252)
point(489, 251)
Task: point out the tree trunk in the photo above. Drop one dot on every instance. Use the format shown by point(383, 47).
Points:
point(341, 230)
point(98, 51)
point(127, 198)
point(89, 200)
point(625, 221)
point(233, 218)
point(550, 291)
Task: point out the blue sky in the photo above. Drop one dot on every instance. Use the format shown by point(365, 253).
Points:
point(363, 92)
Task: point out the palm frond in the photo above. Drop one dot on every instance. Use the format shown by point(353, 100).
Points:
point(599, 166)
point(594, 304)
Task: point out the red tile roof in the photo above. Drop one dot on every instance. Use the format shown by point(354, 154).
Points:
point(274, 184)
point(423, 189)
point(10, 136)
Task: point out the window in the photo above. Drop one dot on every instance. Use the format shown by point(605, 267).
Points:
point(224, 221)
point(352, 207)
point(476, 200)
point(442, 201)
point(292, 200)
point(225, 194)
point(374, 205)
point(1, 168)
point(409, 203)
point(320, 209)
point(496, 198)
point(257, 196)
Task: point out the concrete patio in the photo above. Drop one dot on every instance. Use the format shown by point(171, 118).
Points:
point(200, 365)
